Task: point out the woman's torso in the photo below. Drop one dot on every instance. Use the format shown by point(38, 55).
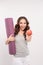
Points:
point(21, 46)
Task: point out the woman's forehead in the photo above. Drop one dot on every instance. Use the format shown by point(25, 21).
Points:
point(22, 20)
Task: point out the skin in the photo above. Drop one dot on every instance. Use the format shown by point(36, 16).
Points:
point(22, 24)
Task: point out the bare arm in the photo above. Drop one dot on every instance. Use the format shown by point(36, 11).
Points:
point(28, 38)
point(11, 38)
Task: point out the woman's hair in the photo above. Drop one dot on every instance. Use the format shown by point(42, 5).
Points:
point(17, 27)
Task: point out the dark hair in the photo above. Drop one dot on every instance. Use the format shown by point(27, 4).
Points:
point(17, 27)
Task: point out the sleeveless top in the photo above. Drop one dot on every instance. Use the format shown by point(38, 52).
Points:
point(21, 46)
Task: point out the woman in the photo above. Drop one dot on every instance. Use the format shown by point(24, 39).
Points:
point(20, 37)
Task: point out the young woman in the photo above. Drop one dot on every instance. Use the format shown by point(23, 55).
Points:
point(20, 37)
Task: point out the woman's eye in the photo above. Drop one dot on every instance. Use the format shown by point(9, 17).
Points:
point(24, 23)
point(20, 22)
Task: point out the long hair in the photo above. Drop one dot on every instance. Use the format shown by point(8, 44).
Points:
point(17, 27)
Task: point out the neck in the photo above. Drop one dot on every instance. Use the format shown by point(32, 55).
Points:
point(21, 31)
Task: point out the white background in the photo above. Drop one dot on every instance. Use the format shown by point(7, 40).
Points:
point(33, 10)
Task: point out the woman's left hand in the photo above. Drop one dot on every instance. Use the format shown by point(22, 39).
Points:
point(28, 38)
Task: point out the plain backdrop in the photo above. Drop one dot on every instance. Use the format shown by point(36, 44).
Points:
point(33, 10)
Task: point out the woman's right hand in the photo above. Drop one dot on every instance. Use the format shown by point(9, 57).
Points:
point(11, 38)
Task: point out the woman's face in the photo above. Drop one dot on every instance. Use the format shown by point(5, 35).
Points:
point(22, 24)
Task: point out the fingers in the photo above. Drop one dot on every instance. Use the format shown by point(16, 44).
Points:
point(12, 35)
point(7, 42)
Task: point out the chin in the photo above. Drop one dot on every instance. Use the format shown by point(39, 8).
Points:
point(22, 29)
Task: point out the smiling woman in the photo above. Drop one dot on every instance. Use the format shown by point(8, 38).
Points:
point(20, 37)
point(22, 25)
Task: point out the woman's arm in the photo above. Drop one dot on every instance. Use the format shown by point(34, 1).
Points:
point(28, 38)
point(11, 38)
point(28, 35)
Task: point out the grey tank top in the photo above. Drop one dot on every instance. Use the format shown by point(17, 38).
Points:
point(21, 46)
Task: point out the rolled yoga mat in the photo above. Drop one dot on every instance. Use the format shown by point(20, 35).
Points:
point(10, 30)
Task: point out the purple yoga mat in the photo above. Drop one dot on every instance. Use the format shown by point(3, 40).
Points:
point(9, 31)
